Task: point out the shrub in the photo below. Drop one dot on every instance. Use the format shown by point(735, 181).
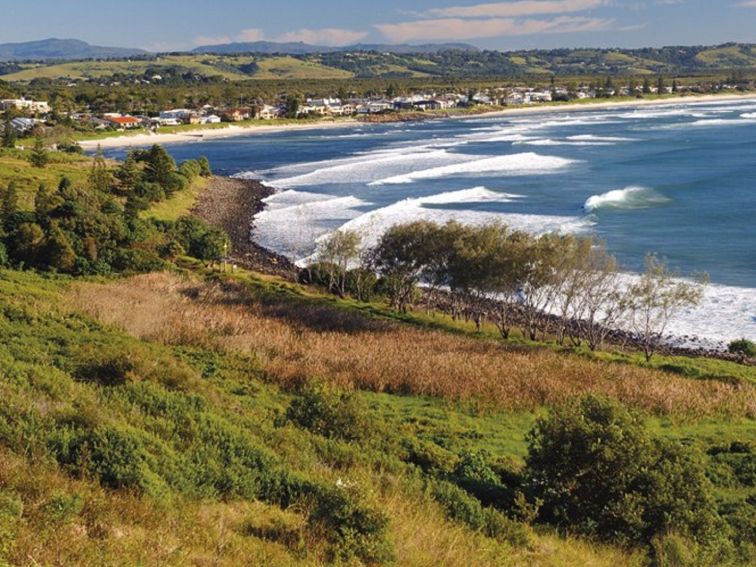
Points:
point(11, 509)
point(744, 347)
point(327, 411)
point(597, 472)
point(354, 528)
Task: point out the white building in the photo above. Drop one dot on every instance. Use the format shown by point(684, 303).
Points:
point(24, 104)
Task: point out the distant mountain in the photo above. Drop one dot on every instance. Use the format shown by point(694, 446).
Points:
point(62, 49)
point(299, 48)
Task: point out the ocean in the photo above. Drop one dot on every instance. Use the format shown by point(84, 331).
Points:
point(677, 180)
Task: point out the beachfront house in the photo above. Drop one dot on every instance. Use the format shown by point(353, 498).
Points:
point(123, 122)
point(31, 106)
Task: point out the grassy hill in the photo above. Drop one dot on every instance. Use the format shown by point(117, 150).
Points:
point(374, 64)
point(189, 416)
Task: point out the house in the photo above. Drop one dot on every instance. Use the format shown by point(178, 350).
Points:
point(235, 115)
point(123, 122)
point(22, 125)
point(24, 104)
point(179, 116)
point(267, 112)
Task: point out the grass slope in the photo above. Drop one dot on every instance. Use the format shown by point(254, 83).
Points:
point(178, 422)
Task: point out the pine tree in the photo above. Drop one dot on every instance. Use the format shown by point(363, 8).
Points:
point(100, 178)
point(660, 89)
point(39, 157)
point(128, 174)
point(59, 254)
point(160, 166)
point(9, 206)
point(9, 133)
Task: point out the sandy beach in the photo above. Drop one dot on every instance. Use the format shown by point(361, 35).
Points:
point(200, 134)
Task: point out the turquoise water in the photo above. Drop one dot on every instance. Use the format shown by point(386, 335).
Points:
point(678, 180)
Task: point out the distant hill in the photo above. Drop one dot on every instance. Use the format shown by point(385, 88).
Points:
point(69, 49)
point(300, 48)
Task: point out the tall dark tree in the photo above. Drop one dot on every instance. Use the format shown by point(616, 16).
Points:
point(128, 174)
point(100, 178)
point(9, 133)
point(38, 157)
point(9, 206)
point(159, 166)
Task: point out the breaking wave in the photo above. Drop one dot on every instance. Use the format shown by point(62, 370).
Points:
point(627, 198)
point(515, 164)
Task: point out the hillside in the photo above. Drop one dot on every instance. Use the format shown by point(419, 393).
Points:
point(62, 49)
point(370, 61)
point(158, 409)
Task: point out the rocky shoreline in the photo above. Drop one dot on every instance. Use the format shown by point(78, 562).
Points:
point(231, 205)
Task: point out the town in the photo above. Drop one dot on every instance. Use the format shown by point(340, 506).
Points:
point(35, 118)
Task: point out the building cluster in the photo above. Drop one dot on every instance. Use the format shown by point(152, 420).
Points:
point(28, 114)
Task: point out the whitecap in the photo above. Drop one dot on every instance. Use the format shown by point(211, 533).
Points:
point(633, 197)
point(514, 164)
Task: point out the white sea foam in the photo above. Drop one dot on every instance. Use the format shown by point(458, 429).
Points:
point(294, 220)
point(459, 206)
point(370, 167)
point(593, 138)
point(725, 313)
point(550, 142)
point(628, 198)
point(515, 164)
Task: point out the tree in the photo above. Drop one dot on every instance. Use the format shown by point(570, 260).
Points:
point(292, 106)
point(9, 132)
point(100, 178)
point(655, 299)
point(38, 157)
point(159, 166)
point(400, 258)
point(337, 253)
point(204, 165)
point(58, 252)
point(660, 88)
point(646, 86)
point(9, 207)
point(597, 471)
point(128, 174)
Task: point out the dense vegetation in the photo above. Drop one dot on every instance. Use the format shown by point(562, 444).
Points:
point(189, 416)
point(95, 227)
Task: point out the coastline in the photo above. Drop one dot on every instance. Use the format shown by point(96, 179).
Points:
point(201, 134)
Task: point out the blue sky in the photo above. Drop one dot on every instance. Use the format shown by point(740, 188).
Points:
point(511, 24)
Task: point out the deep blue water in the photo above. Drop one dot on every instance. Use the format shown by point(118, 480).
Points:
point(682, 180)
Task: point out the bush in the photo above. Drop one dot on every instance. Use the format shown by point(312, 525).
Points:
point(11, 509)
point(597, 472)
point(327, 411)
point(744, 347)
point(354, 528)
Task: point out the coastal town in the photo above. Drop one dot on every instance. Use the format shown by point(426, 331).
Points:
point(30, 117)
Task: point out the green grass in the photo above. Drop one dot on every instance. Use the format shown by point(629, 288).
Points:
point(14, 166)
point(179, 204)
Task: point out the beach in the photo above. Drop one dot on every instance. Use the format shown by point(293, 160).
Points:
point(202, 134)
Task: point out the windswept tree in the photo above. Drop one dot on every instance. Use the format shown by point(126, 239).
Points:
point(100, 177)
point(9, 207)
point(655, 299)
point(336, 254)
point(400, 259)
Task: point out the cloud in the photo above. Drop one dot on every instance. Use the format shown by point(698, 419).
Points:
point(251, 34)
point(326, 36)
point(207, 40)
point(466, 29)
point(747, 4)
point(520, 8)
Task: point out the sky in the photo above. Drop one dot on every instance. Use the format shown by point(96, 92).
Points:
point(167, 25)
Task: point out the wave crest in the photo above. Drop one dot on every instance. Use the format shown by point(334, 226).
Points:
point(628, 198)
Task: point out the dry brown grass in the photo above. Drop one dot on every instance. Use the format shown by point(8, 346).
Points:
point(293, 343)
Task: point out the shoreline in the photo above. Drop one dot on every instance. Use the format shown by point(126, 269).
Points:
point(232, 204)
point(201, 134)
